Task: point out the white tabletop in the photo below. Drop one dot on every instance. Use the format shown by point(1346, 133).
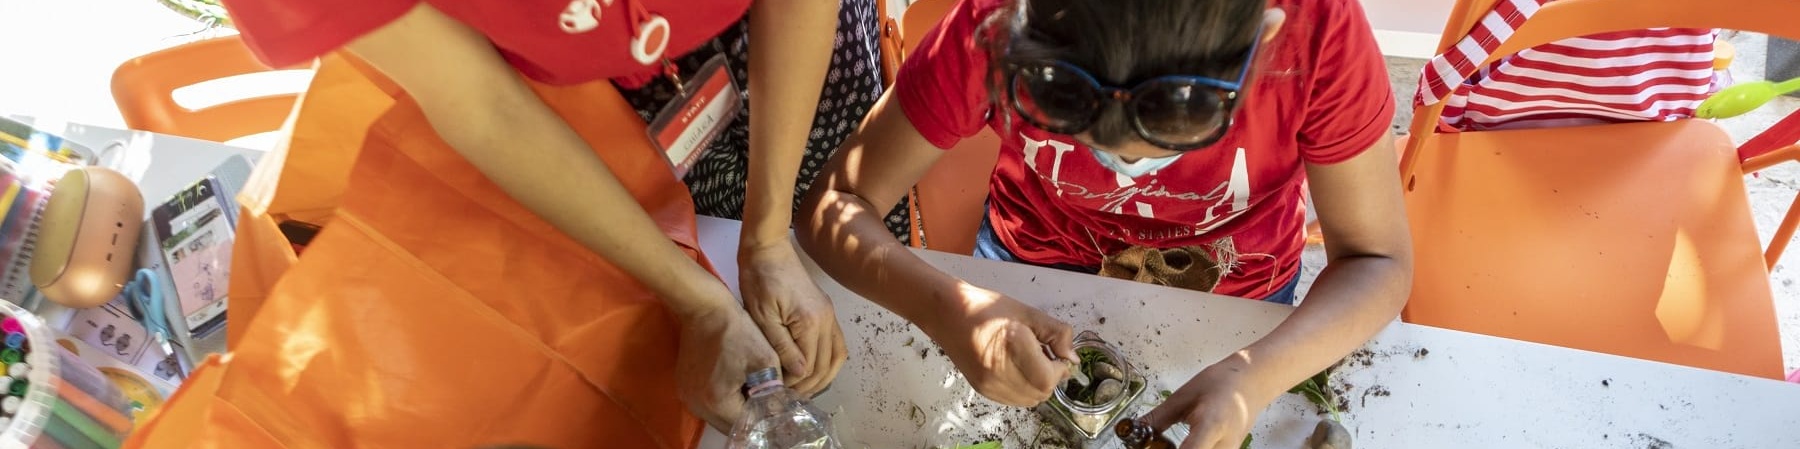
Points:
point(161, 165)
point(1412, 387)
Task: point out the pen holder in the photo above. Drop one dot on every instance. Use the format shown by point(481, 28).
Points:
point(51, 398)
point(1085, 411)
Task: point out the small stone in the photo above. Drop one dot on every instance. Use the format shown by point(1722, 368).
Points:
point(1329, 435)
point(1108, 391)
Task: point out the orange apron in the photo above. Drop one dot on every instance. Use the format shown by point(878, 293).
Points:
point(433, 310)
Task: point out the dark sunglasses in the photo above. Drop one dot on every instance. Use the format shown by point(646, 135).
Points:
point(1176, 112)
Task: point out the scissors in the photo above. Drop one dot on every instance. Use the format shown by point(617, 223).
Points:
point(146, 295)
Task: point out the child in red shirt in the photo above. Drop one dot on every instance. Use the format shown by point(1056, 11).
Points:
point(1159, 124)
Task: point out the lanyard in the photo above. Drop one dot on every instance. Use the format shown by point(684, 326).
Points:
point(650, 39)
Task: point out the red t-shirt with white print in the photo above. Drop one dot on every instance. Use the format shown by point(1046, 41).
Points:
point(1320, 96)
point(553, 41)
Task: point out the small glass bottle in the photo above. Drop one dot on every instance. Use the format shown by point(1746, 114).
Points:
point(775, 417)
point(1137, 434)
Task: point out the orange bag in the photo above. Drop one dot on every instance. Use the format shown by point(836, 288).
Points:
point(433, 310)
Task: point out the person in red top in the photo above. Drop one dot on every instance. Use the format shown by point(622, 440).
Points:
point(461, 61)
point(1160, 124)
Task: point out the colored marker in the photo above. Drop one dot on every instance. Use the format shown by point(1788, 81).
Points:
point(11, 356)
point(18, 387)
point(11, 324)
point(18, 370)
point(15, 340)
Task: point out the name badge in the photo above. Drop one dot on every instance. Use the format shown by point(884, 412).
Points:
point(685, 128)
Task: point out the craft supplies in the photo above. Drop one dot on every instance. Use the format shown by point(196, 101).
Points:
point(52, 398)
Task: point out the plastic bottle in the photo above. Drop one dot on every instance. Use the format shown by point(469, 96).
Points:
point(775, 417)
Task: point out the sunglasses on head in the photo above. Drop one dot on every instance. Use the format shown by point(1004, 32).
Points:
point(1176, 112)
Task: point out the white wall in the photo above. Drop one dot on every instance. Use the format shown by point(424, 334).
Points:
point(1408, 28)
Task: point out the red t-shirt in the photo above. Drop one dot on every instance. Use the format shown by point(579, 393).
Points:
point(553, 41)
point(1321, 96)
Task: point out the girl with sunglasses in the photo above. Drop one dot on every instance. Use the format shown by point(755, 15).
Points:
point(1141, 123)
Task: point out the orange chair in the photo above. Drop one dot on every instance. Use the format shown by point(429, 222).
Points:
point(1629, 239)
point(949, 202)
point(143, 88)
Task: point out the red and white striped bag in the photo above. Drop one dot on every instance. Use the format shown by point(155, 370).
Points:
point(1640, 75)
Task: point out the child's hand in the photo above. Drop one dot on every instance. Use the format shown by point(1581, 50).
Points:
point(997, 343)
point(1218, 406)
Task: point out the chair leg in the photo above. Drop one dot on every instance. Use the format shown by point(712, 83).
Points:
point(1783, 234)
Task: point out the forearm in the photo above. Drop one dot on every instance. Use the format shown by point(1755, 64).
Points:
point(1352, 299)
point(790, 51)
point(532, 155)
point(846, 236)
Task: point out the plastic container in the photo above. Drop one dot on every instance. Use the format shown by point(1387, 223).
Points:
point(65, 403)
point(775, 417)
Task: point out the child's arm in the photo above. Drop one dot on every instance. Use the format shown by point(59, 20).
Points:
point(993, 339)
point(1360, 291)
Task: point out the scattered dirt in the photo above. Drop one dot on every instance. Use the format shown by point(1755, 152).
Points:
point(1606, 383)
point(1421, 353)
point(1376, 391)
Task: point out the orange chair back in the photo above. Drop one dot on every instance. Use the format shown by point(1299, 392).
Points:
point(1631, 239)
point(951, 199)
point(144, 90)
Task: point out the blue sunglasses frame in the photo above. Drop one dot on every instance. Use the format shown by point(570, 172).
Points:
point(1226, 93)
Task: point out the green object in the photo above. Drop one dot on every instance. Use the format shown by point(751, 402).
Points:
point(1247, 439)
point(18, 387)
point(209, 12)
point(1316, 390)
point(11, 356)
point(79, 421)
point(1742, 98)
point(65, 435)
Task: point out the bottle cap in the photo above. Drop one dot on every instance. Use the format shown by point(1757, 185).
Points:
point(18, 370)
point(11, 324)
point(15, 340)
point(762, 381)
point(18, 387)
point(11, 356)
point(11, 404)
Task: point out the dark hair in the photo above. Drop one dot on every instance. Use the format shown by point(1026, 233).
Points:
point(1122, 42)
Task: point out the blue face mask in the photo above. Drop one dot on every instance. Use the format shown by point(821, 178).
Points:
point(1133, 169)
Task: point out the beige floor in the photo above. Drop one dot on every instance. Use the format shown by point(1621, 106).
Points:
point(60, 56)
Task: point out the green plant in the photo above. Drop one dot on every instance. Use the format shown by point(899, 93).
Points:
point(208, 12)
point(1316, 390)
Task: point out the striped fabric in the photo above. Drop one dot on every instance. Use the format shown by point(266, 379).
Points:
point(1641, 75)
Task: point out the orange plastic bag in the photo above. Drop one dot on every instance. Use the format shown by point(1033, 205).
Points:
point(433, 310)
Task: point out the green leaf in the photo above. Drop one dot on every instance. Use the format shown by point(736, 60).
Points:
point(982, 445)
point(1247, 439)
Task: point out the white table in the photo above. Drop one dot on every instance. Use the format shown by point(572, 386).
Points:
point(161, 165)
point(1421, 387)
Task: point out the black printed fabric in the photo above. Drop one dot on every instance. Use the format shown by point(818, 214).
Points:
point(717, 180)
